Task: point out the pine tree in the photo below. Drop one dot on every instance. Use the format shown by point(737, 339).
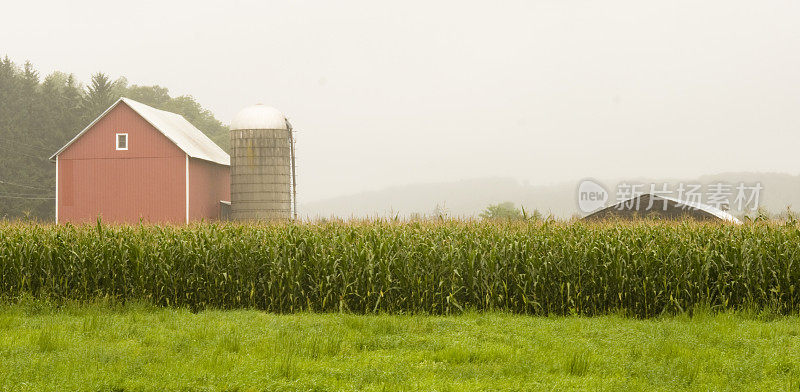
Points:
point(99, 96)
point(9, 97)
point(71, 118)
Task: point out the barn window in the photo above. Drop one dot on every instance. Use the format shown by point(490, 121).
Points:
point(122, 141)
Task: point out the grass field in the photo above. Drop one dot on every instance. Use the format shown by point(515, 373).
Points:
point(139, 347)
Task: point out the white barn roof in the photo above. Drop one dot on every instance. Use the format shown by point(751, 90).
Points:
point(181, 132)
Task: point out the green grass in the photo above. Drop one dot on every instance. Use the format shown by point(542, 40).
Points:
point(138, 347)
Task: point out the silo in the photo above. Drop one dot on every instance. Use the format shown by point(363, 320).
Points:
point(262, 165)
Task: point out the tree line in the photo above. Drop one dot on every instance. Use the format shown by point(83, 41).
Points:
point(39, 115)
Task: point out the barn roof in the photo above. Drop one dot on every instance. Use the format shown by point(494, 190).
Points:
point(181, 132)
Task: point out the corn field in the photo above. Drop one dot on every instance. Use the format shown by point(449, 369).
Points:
point(641, 269)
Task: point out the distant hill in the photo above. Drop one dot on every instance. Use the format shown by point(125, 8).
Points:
point(468, 198)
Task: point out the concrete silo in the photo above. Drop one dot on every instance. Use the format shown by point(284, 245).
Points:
point(262, 165)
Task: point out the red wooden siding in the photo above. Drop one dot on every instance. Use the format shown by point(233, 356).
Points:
point(147, 181)
point(208, 184)
point(67, 196)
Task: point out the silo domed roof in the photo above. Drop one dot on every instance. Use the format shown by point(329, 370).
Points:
point(259, 116)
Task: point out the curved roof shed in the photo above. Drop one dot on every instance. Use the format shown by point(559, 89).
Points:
point(650, 205)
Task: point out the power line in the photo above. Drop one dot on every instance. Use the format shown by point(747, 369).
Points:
point(22, 153)
point(22, 194)
point(29, 145)
point(26, 198)
point(26, 186)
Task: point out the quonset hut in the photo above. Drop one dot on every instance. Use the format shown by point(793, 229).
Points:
point(262, 165)
point(662, 207)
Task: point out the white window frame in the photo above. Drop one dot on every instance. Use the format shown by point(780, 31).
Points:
point(127, 141)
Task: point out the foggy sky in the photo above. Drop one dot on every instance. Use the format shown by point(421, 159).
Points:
point(391, 93)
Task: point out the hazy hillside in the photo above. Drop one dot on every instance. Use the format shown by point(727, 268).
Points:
point(470, 197)
point(458, 198)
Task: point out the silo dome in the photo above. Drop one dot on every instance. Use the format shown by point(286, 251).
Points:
point(259, 116)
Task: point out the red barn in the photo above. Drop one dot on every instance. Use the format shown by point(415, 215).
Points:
point(134, 163)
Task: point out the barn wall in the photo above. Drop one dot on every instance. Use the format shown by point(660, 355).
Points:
point(208, 184)
point(146, 181)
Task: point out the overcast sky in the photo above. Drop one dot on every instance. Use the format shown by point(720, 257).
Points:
point(390, 93)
